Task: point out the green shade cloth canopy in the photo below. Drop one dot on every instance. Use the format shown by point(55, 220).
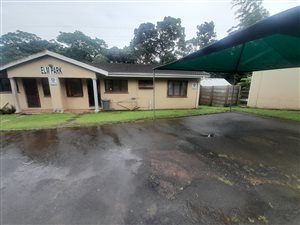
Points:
point(272, 43)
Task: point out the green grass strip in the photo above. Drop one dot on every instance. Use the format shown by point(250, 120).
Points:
point(276, 113)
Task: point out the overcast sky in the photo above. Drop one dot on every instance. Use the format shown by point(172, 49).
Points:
point(114, 21)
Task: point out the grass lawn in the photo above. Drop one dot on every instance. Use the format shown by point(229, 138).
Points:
point(23, 122)
point(50, 120)
point(115, 117)
point(40, 121)
point(282, 114)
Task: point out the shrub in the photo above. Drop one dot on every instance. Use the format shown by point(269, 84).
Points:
point(7, 109)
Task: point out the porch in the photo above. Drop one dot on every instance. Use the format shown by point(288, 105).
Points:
point(53, 94)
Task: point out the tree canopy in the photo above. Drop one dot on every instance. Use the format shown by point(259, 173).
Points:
point(162, 42)
point(247, 13)
point(82, 47)
point(206, 35)
point(159, 43)
point(19, 44)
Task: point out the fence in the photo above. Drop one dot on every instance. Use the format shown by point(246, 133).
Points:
point(219, 95)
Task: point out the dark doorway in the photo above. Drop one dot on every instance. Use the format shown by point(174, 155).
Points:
point(91, 92)
point(32, 94)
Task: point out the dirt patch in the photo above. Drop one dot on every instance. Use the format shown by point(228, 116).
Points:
point(172, 171)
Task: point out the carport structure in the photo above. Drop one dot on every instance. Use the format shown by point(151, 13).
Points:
point(273, 43)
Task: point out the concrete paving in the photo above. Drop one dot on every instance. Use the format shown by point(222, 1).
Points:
point(228, 168)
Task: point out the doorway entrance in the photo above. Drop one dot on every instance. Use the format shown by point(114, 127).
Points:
point(32, 93)
point(91, 92)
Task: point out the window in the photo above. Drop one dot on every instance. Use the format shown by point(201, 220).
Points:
point(177, 88)
point(145, 84)
point(74, 87)
point(116, 85)
point(46, 88)
point(5, 85)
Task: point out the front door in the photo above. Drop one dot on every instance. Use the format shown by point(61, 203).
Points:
point(91, 92)
point(32, 94)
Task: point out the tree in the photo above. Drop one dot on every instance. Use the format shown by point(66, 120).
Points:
point(144, 43)
point(117, 55)
point(19, 44)
point(82, 47)
point(248, 13)
point(161, 43)
point(170, 40)
point(206, 34)
point(190, 46)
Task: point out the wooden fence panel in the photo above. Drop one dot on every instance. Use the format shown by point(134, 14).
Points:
point(219, 95)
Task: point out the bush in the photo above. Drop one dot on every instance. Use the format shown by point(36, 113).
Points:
point(7, 109)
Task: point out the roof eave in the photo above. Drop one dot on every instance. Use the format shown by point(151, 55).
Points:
point(54, 55)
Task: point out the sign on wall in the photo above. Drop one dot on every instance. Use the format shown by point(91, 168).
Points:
point(51, 69)
point(195, 86)
point(53, 81)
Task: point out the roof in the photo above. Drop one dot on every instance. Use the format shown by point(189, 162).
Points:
point(112, 69)
point(214, 82)
point(143, 70)
point(272, 43)
point(54, 55)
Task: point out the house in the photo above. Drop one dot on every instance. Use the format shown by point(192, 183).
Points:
point(275, 89)
point(47, 81)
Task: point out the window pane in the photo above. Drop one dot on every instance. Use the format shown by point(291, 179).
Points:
point(177, 88)
point(170, 88)
point(183, 90)
point(116, 85)
point(145, 84)
point(74, 87)
point(46, 88)
point(5, 85)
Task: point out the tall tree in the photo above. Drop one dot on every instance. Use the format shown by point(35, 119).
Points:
point(144, 43)
point(206, 34)
point(161, 43)
point(170, 40)
point(19, 44)
point(248, 12)
point(82, 47)
point(117, 55)
point(191, 46)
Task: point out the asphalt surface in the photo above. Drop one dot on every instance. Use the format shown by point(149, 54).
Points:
point(228, 168)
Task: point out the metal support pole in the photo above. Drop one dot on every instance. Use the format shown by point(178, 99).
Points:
point(231, 97)
point(153, 107)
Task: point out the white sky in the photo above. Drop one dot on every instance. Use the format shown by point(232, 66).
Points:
point(115, 20)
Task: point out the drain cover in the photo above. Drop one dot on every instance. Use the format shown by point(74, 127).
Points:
point(207, 135)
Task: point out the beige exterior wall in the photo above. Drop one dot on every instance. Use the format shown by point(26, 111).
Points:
point(143, 98)
point(135, 98)
point(70, 103)
point(58, 100)
point(46, 103)
point(6, 97)
point(275, 89)
point(33, 69)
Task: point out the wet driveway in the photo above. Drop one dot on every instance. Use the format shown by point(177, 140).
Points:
point(167, 172)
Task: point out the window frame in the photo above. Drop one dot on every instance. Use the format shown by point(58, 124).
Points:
point(7, 90)
point(69, 90)
point(145, 87)
point(47, 95)
point(181, 86)
point(119, 91)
